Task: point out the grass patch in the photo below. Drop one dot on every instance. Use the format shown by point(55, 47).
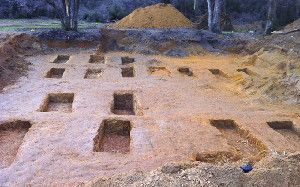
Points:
point(10, 25)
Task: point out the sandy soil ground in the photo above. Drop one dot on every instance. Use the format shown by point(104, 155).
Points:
point(79, 128)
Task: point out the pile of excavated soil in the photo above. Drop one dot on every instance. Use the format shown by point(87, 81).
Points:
point(274, 66)
point(292, 26)
point(273, 171)
point(272, 74)
point(286, 40)
point(156, 16)
point(12, 62)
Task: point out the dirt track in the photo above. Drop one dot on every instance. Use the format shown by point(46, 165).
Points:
point(168, 114)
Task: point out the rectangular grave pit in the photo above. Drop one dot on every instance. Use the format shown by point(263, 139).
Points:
point(124, 104)
point(62, 59)
point(96, 59)
point(93, 74)
point(128, 72)
point(58, 102)
point(242, 141)
point(113, 136)
point(11, 138)
point(55, 73)
point(127, 60)
point(286, 129)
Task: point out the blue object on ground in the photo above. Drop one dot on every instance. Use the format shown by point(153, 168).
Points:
point(246, 168)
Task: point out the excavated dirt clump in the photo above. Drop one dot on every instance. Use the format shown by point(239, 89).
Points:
point(155, 16)
point(12, 63)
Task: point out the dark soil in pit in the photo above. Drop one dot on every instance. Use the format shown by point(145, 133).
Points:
point(56, 73)
point(217, 72)
point(11, 137)
point(124, 104)
point(128, 72)
point(96, 59)
point(93, 74)
point(127, 60)
point(185, 71)
point(61, 102)
point(113, 136)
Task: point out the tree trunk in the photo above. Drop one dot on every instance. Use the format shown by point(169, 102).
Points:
point(66, 22)
point(68, 13)
point(271, 17)
point(217, 16)
point(214, 15)
point(210, 15)
point(75, 15)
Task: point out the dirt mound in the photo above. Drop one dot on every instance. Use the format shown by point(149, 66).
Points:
point(293, 26)
point(272, 74)
point(275, 61)
point(12, 62)
point(155, 16)
point(268, 172)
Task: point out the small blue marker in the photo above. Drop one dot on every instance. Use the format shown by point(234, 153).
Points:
point(247, 168)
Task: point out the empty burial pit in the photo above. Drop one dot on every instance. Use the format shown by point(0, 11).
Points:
point(55, 73)
point(60, 102)
point(113, 136)
point(185, 71)
point(96, 59)
point(160, 71)
point(128, 72)
point(123, 104)
point(11, 137)
point(93, 74)
point(127, 60)
point(286, 129)
point(245, 144)
point(61, 59)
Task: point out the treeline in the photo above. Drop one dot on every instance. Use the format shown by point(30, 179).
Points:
point(109, 10)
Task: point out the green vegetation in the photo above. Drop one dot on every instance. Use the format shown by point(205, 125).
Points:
point(11, 25)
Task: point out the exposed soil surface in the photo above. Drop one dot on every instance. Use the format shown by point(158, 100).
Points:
point(83, 116)
point(170, 121)
point(155, 16)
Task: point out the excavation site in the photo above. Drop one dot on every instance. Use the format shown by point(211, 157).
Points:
point(157, 96)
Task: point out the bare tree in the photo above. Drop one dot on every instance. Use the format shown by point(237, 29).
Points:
point(68, 13)
point(271, 16)
point(214, 15)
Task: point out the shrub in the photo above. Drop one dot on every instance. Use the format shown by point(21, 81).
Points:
point(116, 13)
point(93, 17)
